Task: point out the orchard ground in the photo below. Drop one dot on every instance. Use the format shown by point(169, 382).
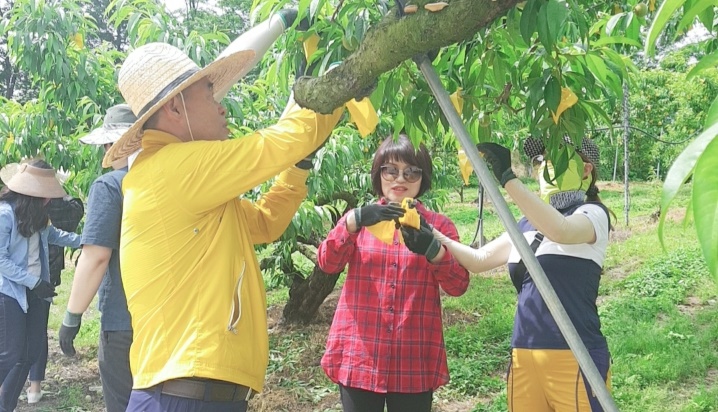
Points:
point(659, 311)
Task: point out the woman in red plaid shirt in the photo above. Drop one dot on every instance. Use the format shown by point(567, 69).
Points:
point(386, 343)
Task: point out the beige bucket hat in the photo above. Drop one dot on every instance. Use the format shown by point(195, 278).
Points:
point(156, 72)
point(31, 181)
point(118, 119)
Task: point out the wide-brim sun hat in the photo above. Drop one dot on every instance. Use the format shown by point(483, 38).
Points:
point(534, 147)
point(155, 73)
point(32, 181)
point(118, 119)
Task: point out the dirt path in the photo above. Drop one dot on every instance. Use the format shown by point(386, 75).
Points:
point(71, 384)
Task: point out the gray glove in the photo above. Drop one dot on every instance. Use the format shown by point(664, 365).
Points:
point(288, 16)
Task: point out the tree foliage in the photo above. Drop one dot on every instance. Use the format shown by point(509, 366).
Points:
point(543, 68)
point(700, 155)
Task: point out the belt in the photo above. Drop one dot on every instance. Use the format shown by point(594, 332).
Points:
point(207, 390)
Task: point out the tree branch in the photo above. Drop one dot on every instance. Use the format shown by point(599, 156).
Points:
point(308, 252)
point(392, 41)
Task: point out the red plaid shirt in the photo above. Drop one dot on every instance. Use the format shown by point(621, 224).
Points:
point(387, 333)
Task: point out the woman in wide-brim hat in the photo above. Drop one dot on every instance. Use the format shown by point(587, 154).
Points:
point(25, 289)
point(567, 227)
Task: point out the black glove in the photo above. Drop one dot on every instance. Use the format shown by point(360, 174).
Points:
point(308, 162)
point(69, 329)
point(421, 241)
point(373, 214)
point(288, 16)
point(44, 289)
point(499, 158)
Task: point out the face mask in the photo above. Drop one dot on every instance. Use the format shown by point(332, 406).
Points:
point(570, 182)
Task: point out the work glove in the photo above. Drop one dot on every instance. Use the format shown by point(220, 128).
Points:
point(499, 159)
point(288, 16)
point(373, 214)
point(308, 162)
point(421, 241)
point(44, 289)
point(69, 329)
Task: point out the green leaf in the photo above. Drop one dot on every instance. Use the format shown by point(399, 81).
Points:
point(603, 41)
point(556, 12)
point(705, 204)
point(597, 67)
point(613, 21)
point(398, 123)
point(707, 16)
point(706, 62)
point(552, 93)
point(528, 20)
point(543, 31)
point(663, 15)
point(712, 114)
point(690, 15)
point(681, 170)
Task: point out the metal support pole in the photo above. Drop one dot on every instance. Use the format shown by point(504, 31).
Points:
point(537, 274)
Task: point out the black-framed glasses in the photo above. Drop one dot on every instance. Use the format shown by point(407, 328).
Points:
point(411, 173)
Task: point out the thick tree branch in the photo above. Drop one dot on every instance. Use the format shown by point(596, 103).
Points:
point(308, 252)
point(394, 40)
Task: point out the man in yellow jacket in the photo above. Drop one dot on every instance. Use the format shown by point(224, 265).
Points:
point(193, 284)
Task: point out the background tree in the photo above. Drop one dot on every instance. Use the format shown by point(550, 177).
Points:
point(545, 68)
point(542, 63)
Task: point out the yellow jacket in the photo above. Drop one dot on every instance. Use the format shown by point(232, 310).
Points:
point(194, 288)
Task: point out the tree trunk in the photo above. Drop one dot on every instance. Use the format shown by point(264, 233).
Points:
point(392, 41)
point(306, 295)
point(626, 131)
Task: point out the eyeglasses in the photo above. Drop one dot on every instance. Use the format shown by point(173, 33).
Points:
point(411, 174)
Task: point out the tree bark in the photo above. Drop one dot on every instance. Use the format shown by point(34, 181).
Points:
point(307, 295)
point(392, 41)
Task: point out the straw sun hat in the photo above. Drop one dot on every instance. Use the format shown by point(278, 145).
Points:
point(31, 181)
point(118, 119)
point(156, 72)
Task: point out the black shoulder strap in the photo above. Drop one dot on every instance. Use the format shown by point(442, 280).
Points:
point(517, 276)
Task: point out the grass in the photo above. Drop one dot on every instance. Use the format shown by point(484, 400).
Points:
point(658, 309)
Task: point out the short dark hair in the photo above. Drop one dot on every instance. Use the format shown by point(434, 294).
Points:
point(401, 150)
